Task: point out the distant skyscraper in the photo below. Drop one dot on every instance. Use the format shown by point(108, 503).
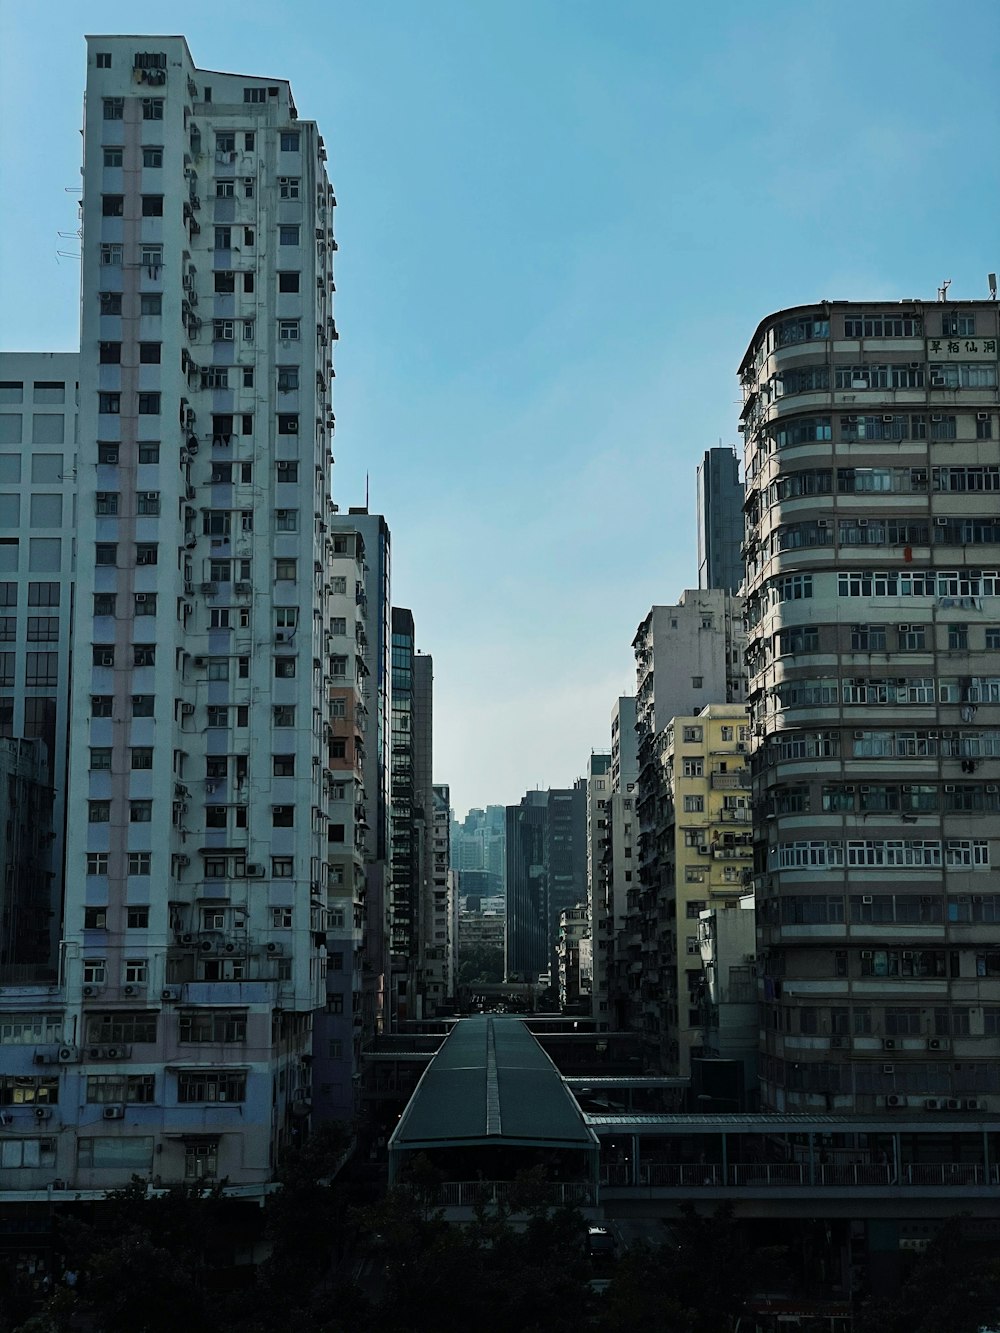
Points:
point(720, 521)
point(546, 873)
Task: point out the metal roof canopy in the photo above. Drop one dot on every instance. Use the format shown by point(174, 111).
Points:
point(625, 1081)
point(491, 1085)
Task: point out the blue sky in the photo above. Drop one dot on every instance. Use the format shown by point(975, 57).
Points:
point(560, 222)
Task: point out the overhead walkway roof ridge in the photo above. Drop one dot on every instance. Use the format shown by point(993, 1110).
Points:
point(491, 1084)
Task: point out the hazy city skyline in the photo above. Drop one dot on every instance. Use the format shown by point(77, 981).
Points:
point(556, 227)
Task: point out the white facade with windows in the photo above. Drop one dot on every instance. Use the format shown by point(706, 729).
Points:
point(196, 902)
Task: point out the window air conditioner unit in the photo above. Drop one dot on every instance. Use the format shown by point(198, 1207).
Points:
point(836, 1043)
point(141, 596)
point(938, 1044)
point(200, 661)
point(941, 522)
point(982, 416)
point(932, 1104)
point(230, 948)
point(953, 1104)
point(114, 1113)
point(973, 1104)
point(949, 786)
point(889, 418)
point(893, 1099)
point(133, 989)
point(867, 898)
point(90, 990)
point(255, 870)
point(275, 949)
point(183, 861)
point(889, 1044)
point(67, 1054)
point(43, 1112)
point(170, 993)
point(187, 710)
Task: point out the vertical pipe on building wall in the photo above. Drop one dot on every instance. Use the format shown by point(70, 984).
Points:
point(635, 1159)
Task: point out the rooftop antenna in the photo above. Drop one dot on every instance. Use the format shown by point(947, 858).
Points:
point(943, 290)
point(991, 278)
point(366, 490)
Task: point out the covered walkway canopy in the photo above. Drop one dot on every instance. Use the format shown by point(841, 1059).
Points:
point(492, 1087)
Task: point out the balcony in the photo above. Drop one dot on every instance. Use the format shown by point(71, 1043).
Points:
point(738, 781)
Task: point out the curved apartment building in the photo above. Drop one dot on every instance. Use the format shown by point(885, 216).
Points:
point(872, 470)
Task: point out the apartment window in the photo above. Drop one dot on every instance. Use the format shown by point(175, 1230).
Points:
point(282, 816)
point(103, 655)
point(111, 303)
point(255, 94)
point(338, 625)
point(286, 520)
point(288, 423)
point(110, 404)
point(984, 426)
point(287, 472)
point(112, 254)
point(285, 570)
point(104, 603)
point(108, 1089)
point(112, 205)
point(288, 235)
point(152, 205)
point(101, 705)
point(145, 603)
point(288, 330)
point(211, 1085)
point(100, 757)
point(114, 108)
point(223, 238)
point(137, 918)
point(95, 971)
point(41, 629)
point(288, 187)
point(225, 189)
point(338, 666)
point(151, 303)
point(142, 757)
point(152, 157)
point(281, 918)
point(223, 330)
point(248, 237)
point(693, 768)
point(289, 141)
point(97, 863)
point(110, 354)
point(212, 1026)
point(283, 765)
point(139, 864)
point(142, 705)
point(149, 355)
point(282, 867)
point(152, 108)
point(140, 812)
point(218, 668)
point(694, 805)
point(148, 503)
point(143, 654)
point(149, 404)
point(287, 282)
point(958, 637)
point(283, 715)
point(99, 812)
point(284, 668)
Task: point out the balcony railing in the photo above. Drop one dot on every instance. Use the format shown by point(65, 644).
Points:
point(680, 1175)
point(738, 781)
point(474, 1193)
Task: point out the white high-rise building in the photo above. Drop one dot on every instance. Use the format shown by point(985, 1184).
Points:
point(196, 900)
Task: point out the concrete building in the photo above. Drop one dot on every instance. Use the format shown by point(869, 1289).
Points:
point(197, 887)
point(728, 945)
point(437, 910)
point(617, 867)
point(873, 612)
point(694, 852)
point(38, 444)
point(339, 1028)
point(720, 521)
point(687, 656)
point(375, 607)
point(572, 957)
point(478, 845)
